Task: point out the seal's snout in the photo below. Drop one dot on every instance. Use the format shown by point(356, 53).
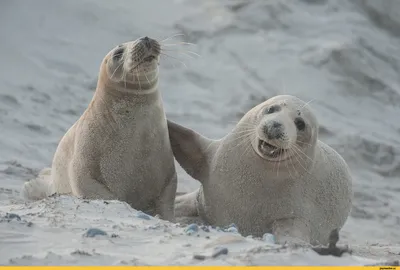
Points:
point(146, 42)
point(145, 50)
point(149, 46)
point(273, 130)
point(273, 138)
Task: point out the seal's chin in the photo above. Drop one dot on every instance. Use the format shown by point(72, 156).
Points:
point(269, 150)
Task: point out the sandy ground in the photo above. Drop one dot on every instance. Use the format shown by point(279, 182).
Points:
point(343, 56)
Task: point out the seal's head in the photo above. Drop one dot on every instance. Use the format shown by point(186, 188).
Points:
point(134, 65)
point(284, 127)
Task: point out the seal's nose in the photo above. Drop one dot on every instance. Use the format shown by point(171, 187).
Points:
point(273, 130)
point(146, 41)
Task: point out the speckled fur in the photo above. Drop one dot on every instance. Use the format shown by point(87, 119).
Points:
point(299, 200)
point(119, 148)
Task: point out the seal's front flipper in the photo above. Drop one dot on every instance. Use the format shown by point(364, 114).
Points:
point(332, 249)
point(291, 231)
point(192, 150)
point(165, 204)
point(85, 187)
point(186, 205)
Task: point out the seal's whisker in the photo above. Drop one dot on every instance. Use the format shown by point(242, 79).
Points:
point(115, 70)
point(140, 86)
point(242, 135)
point(307, 103)
point(277, 164)
point(301, 164)
point(188, 55)
point(298, 152)
point(244, 130)
point(291, 162)
point(294, 149)
point(287, 167)
point(305, 143)
point(247, 150)
point(209, 145)
point(249, 125)
point(174, 58)
point(241, 139)
point(298, 161)
point(179, 43)
point(146, 78)
point(170, 37)
point(238, 142)
point(169, 61)
point(186, 52)
point(242, 123)
point(198, 55)
point(301, 151)
point(124, 74)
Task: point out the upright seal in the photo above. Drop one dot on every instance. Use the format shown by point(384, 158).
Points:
point(119, 149)
point(270, 174)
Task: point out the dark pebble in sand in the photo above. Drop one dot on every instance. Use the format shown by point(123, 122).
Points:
point(219, 251)
point(142, 215)
point(11, 216)
point(199, 257)
point(92, 232)
point(205, 228)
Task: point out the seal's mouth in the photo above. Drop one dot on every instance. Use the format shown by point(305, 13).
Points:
point(270, 150)
point(145, 61)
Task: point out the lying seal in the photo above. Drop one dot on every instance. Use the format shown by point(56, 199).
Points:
point(271, 174)
point(119, 148)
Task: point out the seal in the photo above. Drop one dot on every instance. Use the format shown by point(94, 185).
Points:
point(270, 174)
point(119, 149)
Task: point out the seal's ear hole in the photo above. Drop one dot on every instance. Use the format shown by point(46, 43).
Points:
point(272, 109)
point(300, 124)
point(117, 55)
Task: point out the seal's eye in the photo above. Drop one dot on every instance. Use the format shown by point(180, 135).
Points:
point(299, 123)
point(272, 109)
point(118, 53)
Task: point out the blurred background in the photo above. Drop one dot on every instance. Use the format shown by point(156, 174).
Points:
point(342, 55)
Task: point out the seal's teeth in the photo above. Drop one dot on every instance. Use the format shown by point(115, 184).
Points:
point(264, 144)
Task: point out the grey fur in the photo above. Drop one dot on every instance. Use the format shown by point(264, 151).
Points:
point(119, 148)
point(301, 199)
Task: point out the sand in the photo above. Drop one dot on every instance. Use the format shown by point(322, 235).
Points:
point(343, 56)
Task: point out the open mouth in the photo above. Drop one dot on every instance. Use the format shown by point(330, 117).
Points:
point(269, 149)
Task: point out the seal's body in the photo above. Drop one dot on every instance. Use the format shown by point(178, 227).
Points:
point(119, 148)
point(271, 174)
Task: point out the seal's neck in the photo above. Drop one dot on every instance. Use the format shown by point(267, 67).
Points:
point(109, 92)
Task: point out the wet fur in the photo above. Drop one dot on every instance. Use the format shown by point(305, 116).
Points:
point(119, 148)
point(298, 201)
